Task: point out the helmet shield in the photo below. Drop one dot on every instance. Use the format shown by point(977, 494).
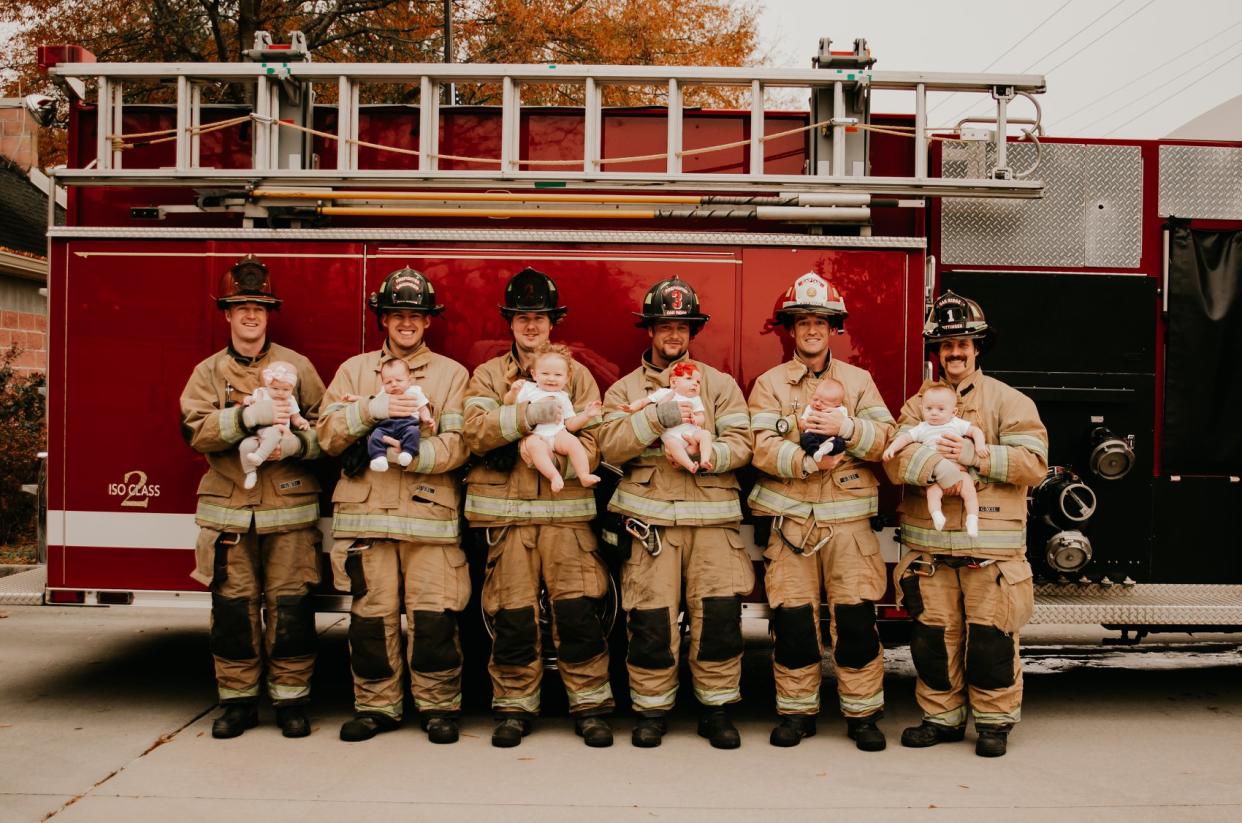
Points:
point(405, 290)
point(532, 292)
point(247, 281)
point(672, 299)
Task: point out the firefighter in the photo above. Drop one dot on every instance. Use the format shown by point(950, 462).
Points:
point(534, 534)
point(681, 528)
point(820, 536)
point(968, 597)
point(258, 548)
point(397, 544)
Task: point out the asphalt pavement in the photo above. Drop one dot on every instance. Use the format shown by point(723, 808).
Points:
point(105, 714)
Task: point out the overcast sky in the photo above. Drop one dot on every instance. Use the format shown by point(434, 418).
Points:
point(1119, 68)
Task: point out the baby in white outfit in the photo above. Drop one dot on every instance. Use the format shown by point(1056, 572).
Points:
point(684, 386)
point(939, 405)
point(279, 381)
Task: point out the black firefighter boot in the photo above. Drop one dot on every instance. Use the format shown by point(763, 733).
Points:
point(292, 720)
point(929, 734)
point(865, 733)
point(441, 728)
point(365, 725)
point(714, 724)
point(594, 731)
point(509, 731)
point(791, 730)
point(236, 719)
point(649, 730)
point(992, 739)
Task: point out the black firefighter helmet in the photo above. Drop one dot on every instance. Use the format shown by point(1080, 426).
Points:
point(404, 290)
point(247, 281)
point(672, 299)
point(953, 316)
point(532, 292)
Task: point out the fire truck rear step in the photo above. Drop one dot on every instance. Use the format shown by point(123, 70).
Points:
point(25, 588)
point(1143, 604)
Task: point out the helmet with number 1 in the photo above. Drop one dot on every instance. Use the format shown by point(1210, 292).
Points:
point(811, 294)
point(404, 290)
point(955, 317)
point(247, 281)
point(532, 292)
point(672, 299)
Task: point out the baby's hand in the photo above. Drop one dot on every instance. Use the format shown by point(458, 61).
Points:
point(518, 384)
point(594, 408)
point(983, 451)
point(889, 452)
point(301, 424)
point(350, 398)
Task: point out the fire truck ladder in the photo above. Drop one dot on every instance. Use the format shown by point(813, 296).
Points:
point(834, 182)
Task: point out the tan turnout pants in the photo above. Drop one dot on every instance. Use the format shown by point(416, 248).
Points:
point(261, 611)
point(564, 557)
point(848, 567)
point(712, 563)
point(431, 583)
point(965, 637)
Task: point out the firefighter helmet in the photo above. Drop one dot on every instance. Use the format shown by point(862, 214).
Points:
point(247, 281)
point(532, 292)
point(953, 316)
point(672, 299)
point(811, 294)
point(405, 290)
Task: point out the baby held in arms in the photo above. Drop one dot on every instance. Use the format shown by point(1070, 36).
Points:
point(550, 373)
point(684, 386)
point(939, 418)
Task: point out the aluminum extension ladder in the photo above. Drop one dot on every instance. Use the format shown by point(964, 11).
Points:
point(271, 78)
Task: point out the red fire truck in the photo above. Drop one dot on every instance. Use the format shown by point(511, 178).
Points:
point(1109, 267)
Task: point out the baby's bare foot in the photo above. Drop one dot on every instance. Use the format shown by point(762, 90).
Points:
point(589, 480)
point(558, 483)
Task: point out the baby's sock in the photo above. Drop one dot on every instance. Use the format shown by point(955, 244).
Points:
point(938, 520)
point(972, 525)
point(405, 458)
point(379, 464)
point(251, 479)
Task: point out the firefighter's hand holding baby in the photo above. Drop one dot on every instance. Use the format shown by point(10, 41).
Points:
point(672, 413)
point(545, 411)
point(266, 411)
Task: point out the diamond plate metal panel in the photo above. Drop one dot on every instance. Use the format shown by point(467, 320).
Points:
point(1113, 210)
point(1203, 182)
point(1090, 215)
point(1142, 604)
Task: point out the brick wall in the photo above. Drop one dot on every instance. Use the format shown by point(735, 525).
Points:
point(29, 332)
point(19, 135)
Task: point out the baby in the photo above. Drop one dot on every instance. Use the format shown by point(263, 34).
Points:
point(684, 384)
point(551, 375)
point(279, 380)
point(399, 432)
point(939, 405)
point(828, 396)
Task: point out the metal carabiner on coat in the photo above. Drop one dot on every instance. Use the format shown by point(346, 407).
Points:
point(779, 521)
point(923, 568)
point(644, 533)
point(500, 533)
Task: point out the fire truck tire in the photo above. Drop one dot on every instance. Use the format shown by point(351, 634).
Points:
point(368, 648)
point(357, 577)
point(435, 641)
point(579, 633)
point(858, 642)
point(931, 658)
point(721, 635)
point(989, 657)
point(230, 628)
point(651, 639)
point(796, 645)
point(295, 627)
point(516, 636)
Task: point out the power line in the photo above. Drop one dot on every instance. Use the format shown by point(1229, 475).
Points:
point(1180, 55)
point(1174, 94)
point(1176, 78)
point(1053, 51)
point(1006, 52)
point(1109, 31)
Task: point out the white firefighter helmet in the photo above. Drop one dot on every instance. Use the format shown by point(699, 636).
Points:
point(811, 294)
